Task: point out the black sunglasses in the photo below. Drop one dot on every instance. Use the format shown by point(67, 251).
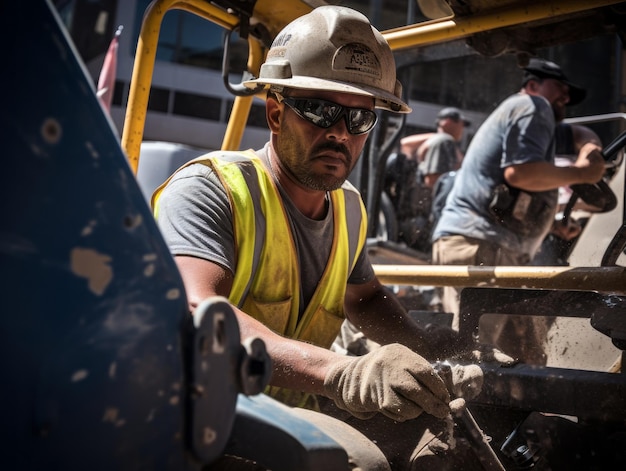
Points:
point(324, 113)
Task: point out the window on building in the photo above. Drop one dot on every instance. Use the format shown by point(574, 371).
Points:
point(197, 106)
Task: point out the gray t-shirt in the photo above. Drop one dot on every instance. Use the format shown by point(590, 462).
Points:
point(441, 155)
point(519, 131)
point(195, 219)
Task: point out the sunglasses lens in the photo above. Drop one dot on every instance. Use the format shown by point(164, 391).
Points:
point(361, 121)
point(326, 113)
point(321, 113)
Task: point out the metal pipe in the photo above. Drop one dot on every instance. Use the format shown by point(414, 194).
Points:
point(438, 31)
point(600, 279)
point(597, 118)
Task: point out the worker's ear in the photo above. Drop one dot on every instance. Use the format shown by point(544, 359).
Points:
point(533, 86)
point(273, 113)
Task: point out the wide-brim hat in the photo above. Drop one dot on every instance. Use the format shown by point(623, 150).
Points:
point(542, 68)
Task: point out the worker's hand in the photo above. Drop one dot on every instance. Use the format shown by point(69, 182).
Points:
point(592, 163)
point(392, 380)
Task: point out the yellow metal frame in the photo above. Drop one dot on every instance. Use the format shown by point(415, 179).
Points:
point(444, 30)
point(143, 68)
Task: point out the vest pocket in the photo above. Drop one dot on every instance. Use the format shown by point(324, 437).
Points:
point(274, 314)
point(293, 398)
point(322, 328)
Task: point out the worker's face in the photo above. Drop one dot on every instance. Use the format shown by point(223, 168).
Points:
point(318, 158)
point(557, 93)
point(454, 127)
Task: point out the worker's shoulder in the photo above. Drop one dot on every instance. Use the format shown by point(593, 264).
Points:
point(416, 140)
point(439, 138)
point(525, 101)
point(204, 166)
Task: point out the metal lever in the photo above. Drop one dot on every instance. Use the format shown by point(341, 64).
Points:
point(466, 423)
point(237, 89)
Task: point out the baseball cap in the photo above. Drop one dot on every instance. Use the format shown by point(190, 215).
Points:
point(453, 113)
point(541, 68)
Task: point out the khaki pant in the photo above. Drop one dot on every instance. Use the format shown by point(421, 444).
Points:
point(461, 250)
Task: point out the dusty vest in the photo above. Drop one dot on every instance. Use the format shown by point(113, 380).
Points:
point(266, 283)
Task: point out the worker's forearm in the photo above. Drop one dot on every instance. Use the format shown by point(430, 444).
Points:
point(542, 176)
point(296, 365)
point(384, 320)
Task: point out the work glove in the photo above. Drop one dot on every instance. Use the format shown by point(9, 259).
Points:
point(462, 381)
point(392, 380)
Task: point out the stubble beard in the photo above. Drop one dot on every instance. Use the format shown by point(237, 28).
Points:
point(294, 159)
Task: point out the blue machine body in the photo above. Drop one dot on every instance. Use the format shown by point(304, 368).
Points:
point(92, 302)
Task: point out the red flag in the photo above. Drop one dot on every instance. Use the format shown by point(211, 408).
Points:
point(106, 81)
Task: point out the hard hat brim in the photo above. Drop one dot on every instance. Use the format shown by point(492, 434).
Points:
point(383, 100)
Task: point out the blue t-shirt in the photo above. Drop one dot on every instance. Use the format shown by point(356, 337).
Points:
point(519, 131)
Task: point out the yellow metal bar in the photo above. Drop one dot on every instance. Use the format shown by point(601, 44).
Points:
point(600, 279)
point(237, 122)
point(522, 12)
point(241, 106)
point(141, 80)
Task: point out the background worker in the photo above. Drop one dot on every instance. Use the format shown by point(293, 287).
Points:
point(438, 152)
point(504, 198)
point(280, 232)
point(412, 174)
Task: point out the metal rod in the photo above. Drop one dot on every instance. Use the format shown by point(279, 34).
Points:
point(602, 279)
point(480, 442)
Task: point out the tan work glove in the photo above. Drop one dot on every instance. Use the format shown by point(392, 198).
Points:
point(463, 381)
point(392, 380)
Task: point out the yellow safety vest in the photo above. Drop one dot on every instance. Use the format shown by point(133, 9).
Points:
point(266, 281)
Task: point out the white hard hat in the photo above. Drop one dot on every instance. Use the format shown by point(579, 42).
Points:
point(333, 48)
